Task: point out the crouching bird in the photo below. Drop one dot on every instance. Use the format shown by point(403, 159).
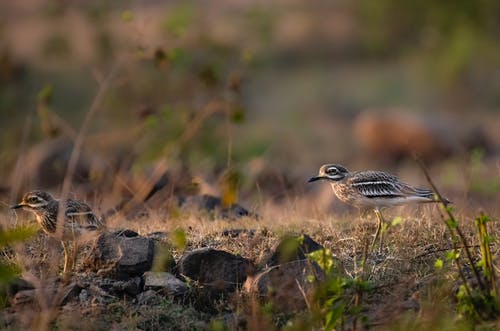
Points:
point(70, 226)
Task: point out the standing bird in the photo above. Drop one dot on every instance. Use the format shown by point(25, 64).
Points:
point(76, 221)
point(373, 190)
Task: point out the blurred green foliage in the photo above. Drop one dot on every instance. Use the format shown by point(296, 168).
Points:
point(338, 297)
point(8, 269)
point(179, 19)
point(455, 38)
point(179, 239)
point(182, 91)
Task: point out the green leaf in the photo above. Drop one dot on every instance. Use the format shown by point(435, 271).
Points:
point(451, 223)
point(238, 115)
point(452, 255)
point(8, 272)
point(176, 55)
point(151, 121)
point(450, 209)
point(179, 19)
point(17, 234)
point(45, 94)
point(127, 16)
point(217, 325)
point(178, 238)
point(247, 55)
point(324, 258)
point(396, 221)
point(334, 316)
point(438, 264)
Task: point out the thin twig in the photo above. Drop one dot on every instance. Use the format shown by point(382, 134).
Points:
point(51, 312)
point(438, 250)
point(461, 236)
point(78, 144)
point(75, 155)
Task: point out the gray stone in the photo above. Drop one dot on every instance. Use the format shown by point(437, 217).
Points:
point(83, 296)
point(212, 204)
point(120, 256)
point(216, 269)
point(164, 282)
point(288, 286)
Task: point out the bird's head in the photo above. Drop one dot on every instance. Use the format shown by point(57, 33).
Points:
point(331, 172)
point(34, 201)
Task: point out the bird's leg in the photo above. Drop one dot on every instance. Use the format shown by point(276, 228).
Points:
point(379, 232)
point(66, 256)
point(70, 255)
point(74, 255)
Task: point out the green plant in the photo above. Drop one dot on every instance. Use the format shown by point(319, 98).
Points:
point(477, 296)
point(339, 297)
point(8, 269)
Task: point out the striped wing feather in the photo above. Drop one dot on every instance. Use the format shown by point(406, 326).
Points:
point(377, 184)
point(80, 213)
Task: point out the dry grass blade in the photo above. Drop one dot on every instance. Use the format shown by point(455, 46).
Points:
point(50, 309)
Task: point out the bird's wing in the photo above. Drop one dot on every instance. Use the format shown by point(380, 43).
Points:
point(79, 212)
point(376, 184)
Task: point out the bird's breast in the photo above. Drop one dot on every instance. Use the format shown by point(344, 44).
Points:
point(344, 194)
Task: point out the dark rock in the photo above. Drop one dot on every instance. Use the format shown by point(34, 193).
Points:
point(212, 204)
point(132, 287)
point(65, 294)
point(158, 236)
point(126, 233)
point(17, 285)
point(278, 185)
point(98, 286)
point(164, 188)
point(148, 297)
point(164, 282)
point(292, 248)
point(119, 256)
point(45, 165)
point(216, 269)
point(70, 292)
point(285, 285)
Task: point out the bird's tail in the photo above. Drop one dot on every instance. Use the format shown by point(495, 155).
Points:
point(431, 195)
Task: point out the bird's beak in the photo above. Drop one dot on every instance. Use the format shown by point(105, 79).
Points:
point(315, 178)
point(20, 205)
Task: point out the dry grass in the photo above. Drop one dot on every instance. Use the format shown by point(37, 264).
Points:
point(407, 289)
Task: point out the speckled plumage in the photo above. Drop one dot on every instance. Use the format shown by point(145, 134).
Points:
point(77, 220)
point(370, 189)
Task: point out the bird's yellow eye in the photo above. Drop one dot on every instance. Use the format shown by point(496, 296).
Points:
point(33, 199)
point(331, 171)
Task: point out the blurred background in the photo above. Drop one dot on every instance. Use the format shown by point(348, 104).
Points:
point(246, 99)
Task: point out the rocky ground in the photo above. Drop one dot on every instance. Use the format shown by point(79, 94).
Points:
point(245, 273)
